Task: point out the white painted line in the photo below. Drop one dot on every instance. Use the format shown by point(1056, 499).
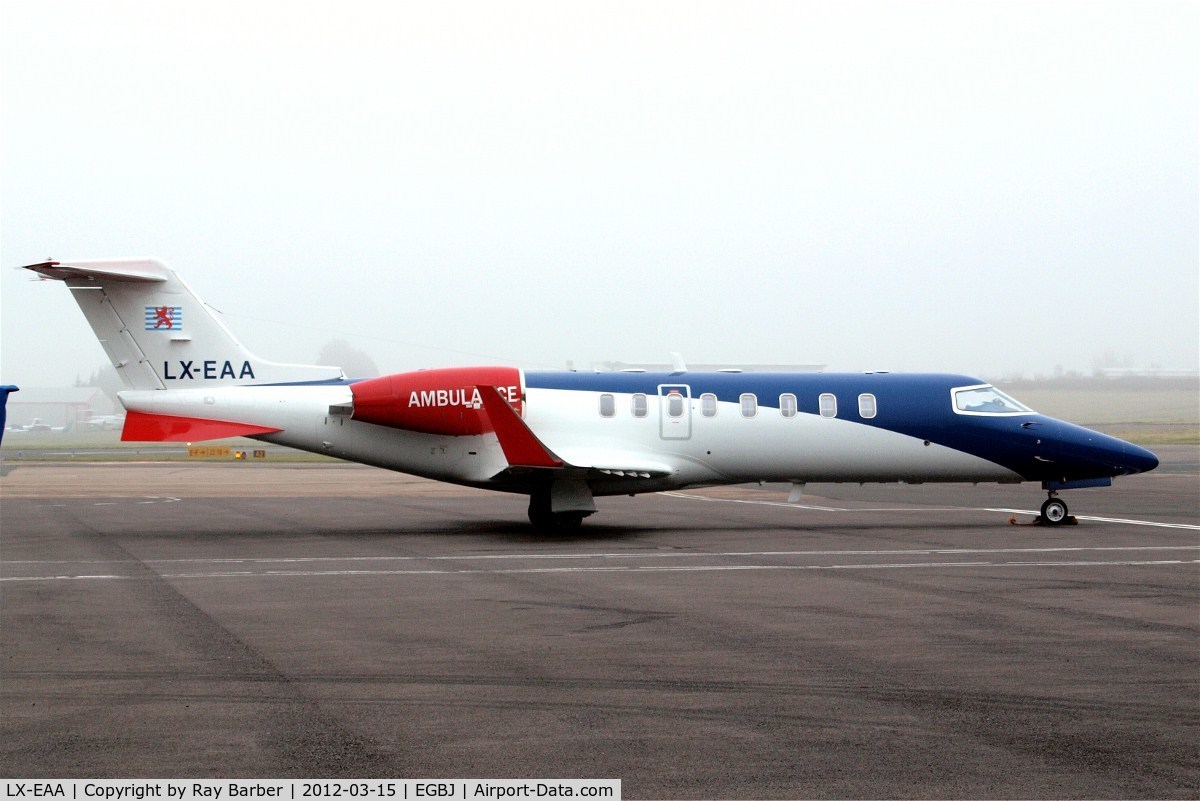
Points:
point(1126, 521)
point(759, 503)
point(606, 569)
point(1139, 522)
point(608, 555)
point(1091, 564)
point(876, 509)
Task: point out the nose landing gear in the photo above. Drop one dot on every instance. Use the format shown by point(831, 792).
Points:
point(1054, 510)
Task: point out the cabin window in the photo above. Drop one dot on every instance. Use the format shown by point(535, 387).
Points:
point(708, 404)
point(787, 405)
point(675, 405)
point(639, 405)
point(749, 404)
point(866, 406)
point(984, 399)
point(828, 405)
point(608, 405)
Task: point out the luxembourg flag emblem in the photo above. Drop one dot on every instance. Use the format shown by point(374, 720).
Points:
point(164, 318)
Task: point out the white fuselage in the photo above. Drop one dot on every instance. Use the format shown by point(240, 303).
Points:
point(723, 448)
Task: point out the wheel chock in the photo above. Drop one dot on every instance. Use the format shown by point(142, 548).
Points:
point(1069, 520)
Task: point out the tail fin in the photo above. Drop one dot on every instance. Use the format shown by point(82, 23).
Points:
point(159, 335)
point(5, 391)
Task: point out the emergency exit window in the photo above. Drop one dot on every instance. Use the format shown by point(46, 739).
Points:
point(675, 405)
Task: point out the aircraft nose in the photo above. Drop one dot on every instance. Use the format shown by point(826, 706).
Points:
point(1075, 452)
point(1138, 459)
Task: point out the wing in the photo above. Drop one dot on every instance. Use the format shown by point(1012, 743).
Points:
point(526, 453)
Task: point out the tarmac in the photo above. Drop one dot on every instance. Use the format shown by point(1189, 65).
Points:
point(249, 620)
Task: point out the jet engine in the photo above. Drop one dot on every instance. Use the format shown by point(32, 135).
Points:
point(444, 401)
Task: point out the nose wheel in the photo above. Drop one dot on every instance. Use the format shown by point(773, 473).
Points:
point(1054, 511)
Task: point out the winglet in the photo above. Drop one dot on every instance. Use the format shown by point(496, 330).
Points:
point(521, 447)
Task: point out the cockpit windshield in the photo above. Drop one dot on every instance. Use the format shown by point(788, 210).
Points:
point(986, 399)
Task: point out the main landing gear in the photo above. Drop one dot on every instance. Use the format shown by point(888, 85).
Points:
point(544, 518)
point(561, 504)
point(1054, 511)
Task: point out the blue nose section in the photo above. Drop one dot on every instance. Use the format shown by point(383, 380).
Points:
point(1138, 460)
point(1071, 452)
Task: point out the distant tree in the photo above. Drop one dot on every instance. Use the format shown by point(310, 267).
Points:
point(1111, 359)
point(355, 363)
point(106, 379)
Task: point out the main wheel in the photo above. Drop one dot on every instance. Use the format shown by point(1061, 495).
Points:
point(539, 510)
point(1054, 512)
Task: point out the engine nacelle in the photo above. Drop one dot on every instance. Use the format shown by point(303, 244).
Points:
point(442, 401)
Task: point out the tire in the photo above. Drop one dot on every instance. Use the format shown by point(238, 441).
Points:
point(1054, 512)
point(539, 510)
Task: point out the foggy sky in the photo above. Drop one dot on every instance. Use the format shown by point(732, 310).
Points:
point(988, 188)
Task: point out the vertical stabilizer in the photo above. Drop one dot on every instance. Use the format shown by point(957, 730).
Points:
point(5, 391)
point(159, 335)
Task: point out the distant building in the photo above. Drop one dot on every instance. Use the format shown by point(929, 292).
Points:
point(57, 408)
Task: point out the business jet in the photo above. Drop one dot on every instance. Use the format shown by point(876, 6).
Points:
point(565, 438)
point(105, 422)
point(40, 426)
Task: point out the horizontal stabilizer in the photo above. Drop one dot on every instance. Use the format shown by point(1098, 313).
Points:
point(142, 427)
point(133, 270)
